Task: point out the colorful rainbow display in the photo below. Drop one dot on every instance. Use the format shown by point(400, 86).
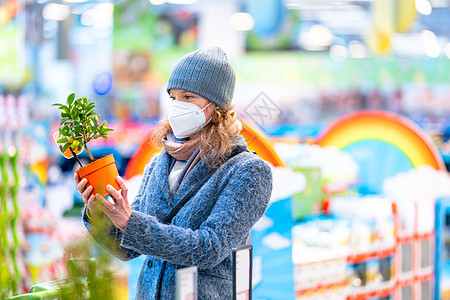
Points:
point(260, 143)
point(384, 126)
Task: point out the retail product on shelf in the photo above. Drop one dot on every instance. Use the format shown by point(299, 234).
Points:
point(351, 253)
point(13, 120)
point(327, 171)
point(319, 254)
point(415, 244)
point(415, 193)
point(46, 238)
point(79, 125)
point(374, 211)
point(442, 250)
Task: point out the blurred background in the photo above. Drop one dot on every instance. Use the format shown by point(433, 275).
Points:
point(349, 101)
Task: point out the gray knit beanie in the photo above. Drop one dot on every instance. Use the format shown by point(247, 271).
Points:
point(205, 72)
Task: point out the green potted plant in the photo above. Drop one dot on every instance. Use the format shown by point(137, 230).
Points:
point(79, 125)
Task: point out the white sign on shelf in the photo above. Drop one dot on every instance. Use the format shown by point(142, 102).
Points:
point(242, 273)
point(186, 283)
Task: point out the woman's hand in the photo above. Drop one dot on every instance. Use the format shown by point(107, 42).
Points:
point(85, 193)
point(119, 213)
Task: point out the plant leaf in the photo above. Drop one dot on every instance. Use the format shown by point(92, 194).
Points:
point(64, 131)
point(62, 140)
point(65, 147)
point(70, 99)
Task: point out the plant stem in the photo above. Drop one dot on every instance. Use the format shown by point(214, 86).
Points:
point(89, 153)
point(76, 156)
point(15, 249)
point(6, 273)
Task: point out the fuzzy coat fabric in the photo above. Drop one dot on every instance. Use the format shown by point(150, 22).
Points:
point(216, 219)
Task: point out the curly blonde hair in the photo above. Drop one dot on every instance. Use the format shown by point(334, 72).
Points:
point(215, 139)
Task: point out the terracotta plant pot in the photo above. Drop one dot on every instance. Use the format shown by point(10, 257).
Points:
point(99, 174)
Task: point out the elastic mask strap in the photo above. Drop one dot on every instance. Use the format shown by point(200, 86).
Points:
point(204, 109)
point(206, 106)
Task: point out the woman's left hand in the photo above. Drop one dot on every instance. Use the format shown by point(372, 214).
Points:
point(120, 212)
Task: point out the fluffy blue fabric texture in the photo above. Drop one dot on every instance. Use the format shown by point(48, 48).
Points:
point(216, 219)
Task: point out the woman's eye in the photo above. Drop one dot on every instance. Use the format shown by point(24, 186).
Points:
point(188, 97)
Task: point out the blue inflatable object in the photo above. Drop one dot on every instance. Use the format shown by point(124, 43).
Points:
point(103, 83)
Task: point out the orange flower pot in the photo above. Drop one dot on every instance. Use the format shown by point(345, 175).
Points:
point(99, 174)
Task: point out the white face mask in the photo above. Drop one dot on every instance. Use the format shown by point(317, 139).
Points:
point(186, 118)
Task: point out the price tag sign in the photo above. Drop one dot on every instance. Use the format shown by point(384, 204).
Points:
point(242, 273)
point(186, 283)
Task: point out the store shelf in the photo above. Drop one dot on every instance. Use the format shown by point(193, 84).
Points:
point(378, 292)
point(320, 287)
point(365, 256)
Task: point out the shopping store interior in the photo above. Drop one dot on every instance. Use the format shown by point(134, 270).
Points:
point(349, 101)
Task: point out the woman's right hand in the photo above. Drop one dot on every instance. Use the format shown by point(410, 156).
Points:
point(85, 192)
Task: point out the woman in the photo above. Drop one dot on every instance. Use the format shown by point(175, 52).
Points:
point(205, 163)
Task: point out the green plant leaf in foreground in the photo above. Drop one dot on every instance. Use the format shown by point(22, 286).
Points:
point(70, 99)
point(79, 121)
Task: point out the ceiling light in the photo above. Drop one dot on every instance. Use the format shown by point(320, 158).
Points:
point(57, 12)
point(100, 16)
point(430, 44)
point(88, 17)
point(106, 9)
point(428, 35)
point(423, 7)
point(157, 2)
point(317, 4)
point(74, 1)
point(431, 48)
point(242, 21)
point(181, 1)
point(317, 38)
point(80, 8)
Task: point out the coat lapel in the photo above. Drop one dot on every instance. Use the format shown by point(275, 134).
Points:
point(192, 178)
point(162, 176)
point(199, 171)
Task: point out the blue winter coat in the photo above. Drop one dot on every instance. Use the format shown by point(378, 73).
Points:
point(204, 232)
